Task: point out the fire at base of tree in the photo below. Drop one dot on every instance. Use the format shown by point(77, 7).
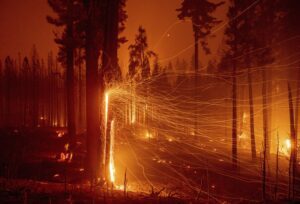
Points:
point(83, 126)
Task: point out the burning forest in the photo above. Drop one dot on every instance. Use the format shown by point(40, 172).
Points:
point(129, 101)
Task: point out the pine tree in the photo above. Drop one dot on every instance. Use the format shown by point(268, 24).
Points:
point(114, 18)
point(266, 22)
point(157, 69)
point(113, 25)
point(139, 56)
point(68, 13)
point(94, 86)
point(35, 66)
point(8, 72)
point(200, 13)
point(289, 30)
point(232, 41)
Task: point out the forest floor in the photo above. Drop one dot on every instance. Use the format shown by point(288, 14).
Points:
point(29, 191)
point(157, 171)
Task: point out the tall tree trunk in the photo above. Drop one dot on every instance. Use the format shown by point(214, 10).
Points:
point(297, 119)
point(265, 131)
point(196, 61)
point(1, 96)
point(94, 94)
point(110, 61)
point(35, 84)
point(234, 117)
point(277, 167)
point(80, 94)
point(251, 111)
point(70, 78)
point(292, 163)
point(196, 38)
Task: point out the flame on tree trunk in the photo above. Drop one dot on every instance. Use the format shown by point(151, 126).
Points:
point(110, 70)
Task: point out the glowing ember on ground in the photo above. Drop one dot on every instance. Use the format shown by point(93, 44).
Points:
point(59, 134)
point(56, 175)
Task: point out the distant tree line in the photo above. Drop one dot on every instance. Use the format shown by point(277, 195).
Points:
point(32, 92)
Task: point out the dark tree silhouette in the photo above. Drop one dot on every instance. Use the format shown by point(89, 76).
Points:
point(104, 20)
point(290, 29)
point(232, 41)
point(240, 41)
point(1, 95)
point(94, 86)
point(68, 12)
point(139, 56)
point(200, 13)
point(266, 22)
point(8, 87)
point(114, 24)
point(114, 18)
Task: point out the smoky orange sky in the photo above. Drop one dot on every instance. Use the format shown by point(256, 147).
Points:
point(23, 23)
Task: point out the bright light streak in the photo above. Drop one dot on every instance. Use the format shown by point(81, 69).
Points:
point(133, 113)
point(105, 123)
point(111, 153)
point(106, 107)
point(288, 144)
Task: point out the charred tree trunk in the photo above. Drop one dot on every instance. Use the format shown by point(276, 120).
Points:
point(292, 164)
point(80, 94)
point(196, 61)
point(1, 96)
point(297, 120)
point(265, 132)
point(251, 111)
point(234, 117)
point(70, 78)
point(110, 59)
point(108, 146)
point(94, 94)
point(277, 167)
point(34, 99)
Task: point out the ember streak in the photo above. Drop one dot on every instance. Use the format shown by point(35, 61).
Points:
point(129, 101)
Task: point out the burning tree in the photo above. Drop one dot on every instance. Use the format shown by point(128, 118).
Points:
point(98, 23)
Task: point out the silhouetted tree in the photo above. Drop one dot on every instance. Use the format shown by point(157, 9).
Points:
point(34, 84)
point(157, 69)
point(114, 24)
point(265, 20)
point(232, 41)
point(1, 96)
point(139, 56)
point(114, 18)
point(200, 13)
point(8, 90)
point(68, 13)
point(293, 154)
point(290, 29)
point(94, 87)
